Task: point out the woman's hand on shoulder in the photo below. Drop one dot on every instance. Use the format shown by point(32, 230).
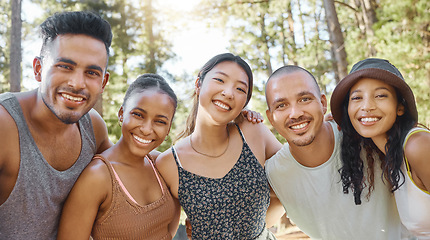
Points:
point(251, 116)
point(417, 152)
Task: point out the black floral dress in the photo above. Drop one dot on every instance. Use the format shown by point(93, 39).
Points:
point(231, 207)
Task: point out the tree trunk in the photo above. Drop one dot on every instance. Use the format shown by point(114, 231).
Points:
point(284, 42)
point(292, 34)
point(336, 38)
point(302, 22)
point(152, 66)
point(365, 16)
point(266, 47)
point(15, 47)
point(356, 5)
point(369, 17)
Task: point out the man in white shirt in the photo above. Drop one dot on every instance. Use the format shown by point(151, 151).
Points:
point(304, 173)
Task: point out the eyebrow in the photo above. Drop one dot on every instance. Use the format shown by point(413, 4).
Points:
point(378, 88)
point(242, 82)
point(66, 60)
point(278, 100)
point(70, 61)
point(159, 115)
point(300, 94)
point(303, 93)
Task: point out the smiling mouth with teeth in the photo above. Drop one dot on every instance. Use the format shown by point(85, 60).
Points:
point(300, 126)
point(221, 105)
point(71, 98)
point(369, 119)
point(141, 140)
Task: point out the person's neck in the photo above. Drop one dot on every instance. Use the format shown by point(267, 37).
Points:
point(319, 151)
point(120, 153)
point(380, 142)
point(39, 117)
point(208, 135)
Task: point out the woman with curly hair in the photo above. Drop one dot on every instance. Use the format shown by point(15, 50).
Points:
point(376, 110)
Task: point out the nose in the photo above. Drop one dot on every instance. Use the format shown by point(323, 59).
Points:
point(368, 104)
point(146, 128)
point(295, 111)
point(227, 92)
point(77, 81)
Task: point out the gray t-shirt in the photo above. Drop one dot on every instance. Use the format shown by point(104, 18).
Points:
point(34, 206)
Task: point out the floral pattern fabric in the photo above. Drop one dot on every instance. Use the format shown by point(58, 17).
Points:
point(231, 207)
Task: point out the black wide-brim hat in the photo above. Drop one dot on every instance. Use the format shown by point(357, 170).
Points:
point(374, 68)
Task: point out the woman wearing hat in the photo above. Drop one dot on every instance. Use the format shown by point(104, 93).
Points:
point(376, 110)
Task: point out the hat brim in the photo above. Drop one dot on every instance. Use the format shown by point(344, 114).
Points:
point(342, 90)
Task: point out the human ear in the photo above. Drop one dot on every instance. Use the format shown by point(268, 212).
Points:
point(105, 80)
point(269, 116)
point(121, 114)
point(324, 103)
point(37, 69)
point(197, 85)
point(400, 110)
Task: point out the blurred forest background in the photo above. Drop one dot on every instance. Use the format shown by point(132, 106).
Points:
point(326, 37)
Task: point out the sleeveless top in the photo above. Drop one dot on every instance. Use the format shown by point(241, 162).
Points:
point(231, 207)
point(313, 199)
point(126, 219)
point(413, 203)
point(33, 208)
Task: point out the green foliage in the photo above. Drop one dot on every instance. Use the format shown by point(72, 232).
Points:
point(5, 19)
point(260, 33)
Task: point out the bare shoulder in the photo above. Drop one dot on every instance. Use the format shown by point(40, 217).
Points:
point(166, 165)
point(97, 120)
point(252, 129)
point(6, 121)
point(92, 192)
point(96, 172)
point(94, 182)
point(10, 139)
point(417, 149)
point(165, 160)
point(100, 131)
point(257, 131)
point(166, 157)
point(261, 140)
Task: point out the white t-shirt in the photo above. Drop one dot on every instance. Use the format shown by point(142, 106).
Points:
point(413, 203)
point(314, 200)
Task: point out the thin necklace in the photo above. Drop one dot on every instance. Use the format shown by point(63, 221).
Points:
point(207, 155)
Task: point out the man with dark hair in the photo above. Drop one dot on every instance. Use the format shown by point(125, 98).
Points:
point(50, 134)
point(304, 173)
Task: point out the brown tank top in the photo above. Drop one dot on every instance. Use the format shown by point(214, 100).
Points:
point(126, 219)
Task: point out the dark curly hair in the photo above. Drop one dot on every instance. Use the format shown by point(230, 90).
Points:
point(352, 170)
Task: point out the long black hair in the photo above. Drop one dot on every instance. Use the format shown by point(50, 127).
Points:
point(352, 170)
